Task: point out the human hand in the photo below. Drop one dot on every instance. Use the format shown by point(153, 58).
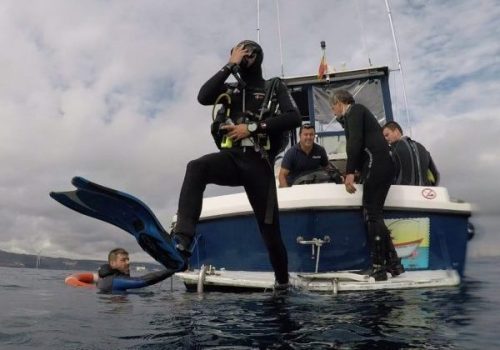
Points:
point(237, 54)
point(236, 132)
point(349, 183)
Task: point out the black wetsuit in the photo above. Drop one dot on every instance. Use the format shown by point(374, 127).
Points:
point(413, 162)
point(242, 166)
point(368, 152)
point(111, 280)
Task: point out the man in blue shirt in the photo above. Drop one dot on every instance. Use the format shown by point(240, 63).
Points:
point(303, 157)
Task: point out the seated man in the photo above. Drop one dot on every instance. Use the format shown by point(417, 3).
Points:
point(115, 275)
point(414, 164)
point(304, 156)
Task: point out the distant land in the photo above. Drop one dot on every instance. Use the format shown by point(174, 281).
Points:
point(31, 261)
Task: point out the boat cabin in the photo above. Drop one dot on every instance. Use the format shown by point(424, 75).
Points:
point(369, 87)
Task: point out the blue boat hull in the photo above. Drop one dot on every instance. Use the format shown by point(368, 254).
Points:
point(234, 243)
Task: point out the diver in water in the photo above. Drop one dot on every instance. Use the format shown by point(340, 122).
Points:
point(368, 154)
point(115, 275)
point(252, 137)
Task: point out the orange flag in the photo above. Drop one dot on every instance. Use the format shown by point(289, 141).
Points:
point(323, 67)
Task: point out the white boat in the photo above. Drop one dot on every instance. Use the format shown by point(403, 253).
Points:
point(321, 223)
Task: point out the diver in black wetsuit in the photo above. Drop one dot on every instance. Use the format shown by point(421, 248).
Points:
point(414, 164)
point(115, 275)
point(368, 154)
point(246, 159)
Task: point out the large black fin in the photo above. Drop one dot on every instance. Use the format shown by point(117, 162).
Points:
point(126, 212)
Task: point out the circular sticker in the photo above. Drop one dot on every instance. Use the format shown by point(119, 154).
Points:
point(429, 193)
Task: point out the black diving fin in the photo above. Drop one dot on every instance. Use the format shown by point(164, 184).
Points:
point(126, 212)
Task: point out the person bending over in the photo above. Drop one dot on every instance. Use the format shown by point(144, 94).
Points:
point(368, 153)
point(115, 275)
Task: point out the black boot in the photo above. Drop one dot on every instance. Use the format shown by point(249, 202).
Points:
point(394, 266)
point(183, 242)
point(377, 247)
point(379, 269)
point(379, 273)
point(281, 288)
point(184, 245)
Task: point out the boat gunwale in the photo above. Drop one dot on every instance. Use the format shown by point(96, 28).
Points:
point(325, 197)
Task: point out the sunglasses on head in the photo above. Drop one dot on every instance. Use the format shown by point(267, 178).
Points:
point(306, 126)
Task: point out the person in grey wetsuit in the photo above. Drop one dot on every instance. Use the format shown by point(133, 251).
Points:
point(414, 164)
point(368, 154)
point(115, 275)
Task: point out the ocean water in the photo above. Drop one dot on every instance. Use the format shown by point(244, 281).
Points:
point(37, 311)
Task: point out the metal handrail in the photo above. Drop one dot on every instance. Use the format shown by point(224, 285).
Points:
point(316, 244)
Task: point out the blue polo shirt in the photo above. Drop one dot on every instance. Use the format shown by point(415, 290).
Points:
point(298, 162)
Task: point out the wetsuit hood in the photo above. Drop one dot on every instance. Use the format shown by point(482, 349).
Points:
point(106, 270)
point(254, 72)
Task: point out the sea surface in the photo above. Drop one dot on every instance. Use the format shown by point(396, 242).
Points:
point(37, 311)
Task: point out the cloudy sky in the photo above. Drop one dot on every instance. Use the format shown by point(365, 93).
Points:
point(107, 90)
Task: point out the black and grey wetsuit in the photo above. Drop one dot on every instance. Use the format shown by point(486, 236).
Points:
point(413, 164)
point(111, 280)
point(368, 152)
point(242, 166)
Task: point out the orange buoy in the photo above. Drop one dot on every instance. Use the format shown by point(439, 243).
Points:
point(84, 279)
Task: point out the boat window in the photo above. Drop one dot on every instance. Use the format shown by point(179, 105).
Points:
point(330, 134)
point(299, 94)
point(369, 87)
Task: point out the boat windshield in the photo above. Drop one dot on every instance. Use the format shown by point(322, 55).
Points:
point(368, 86)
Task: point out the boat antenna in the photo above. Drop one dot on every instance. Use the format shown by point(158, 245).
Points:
point(279, 36)
point(387, 5)
point(38, 259)
point(362, 28)
point(258, 30)
point(258, 22)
